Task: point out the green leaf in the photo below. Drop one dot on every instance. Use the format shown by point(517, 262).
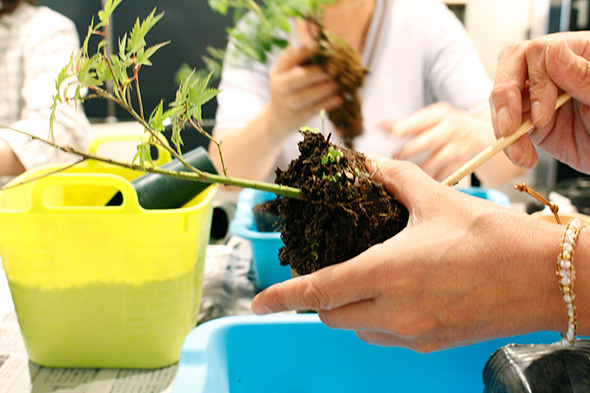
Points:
point(156, 118)
point(140, 30)
point(104, 15)
point(219, 6)
point(87, 75)
point(144, 155)
point(143, 56)
point(122, 46)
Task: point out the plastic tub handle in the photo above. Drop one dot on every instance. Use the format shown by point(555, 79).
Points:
point(128, 136)
point(130, 203)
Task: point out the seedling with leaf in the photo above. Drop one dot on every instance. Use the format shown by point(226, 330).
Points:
point(92, 72)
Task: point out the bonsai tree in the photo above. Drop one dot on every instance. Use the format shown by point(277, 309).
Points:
point(92, 72)
point(331, 207)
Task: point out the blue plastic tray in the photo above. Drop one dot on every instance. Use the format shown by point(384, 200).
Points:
point(490, 194)
point(297, 353)
point(265, 245)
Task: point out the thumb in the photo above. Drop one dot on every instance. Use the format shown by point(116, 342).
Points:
point(568, 70)
point(403, 179)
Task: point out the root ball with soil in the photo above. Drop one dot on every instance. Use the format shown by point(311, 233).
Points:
point(344, 210)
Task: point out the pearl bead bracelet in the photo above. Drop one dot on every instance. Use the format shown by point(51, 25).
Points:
point(566, 276)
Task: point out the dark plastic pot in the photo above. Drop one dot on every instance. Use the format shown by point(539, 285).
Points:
point(155, 191)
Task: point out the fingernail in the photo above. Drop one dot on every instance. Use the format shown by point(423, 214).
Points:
point(515, 152)
point(563, 54)
point(536, 112)
point(504, 120)
point(259, 308)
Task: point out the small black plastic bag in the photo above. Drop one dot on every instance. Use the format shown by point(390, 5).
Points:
point(539, 368)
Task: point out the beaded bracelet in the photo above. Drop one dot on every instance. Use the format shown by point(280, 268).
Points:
point(566, 275)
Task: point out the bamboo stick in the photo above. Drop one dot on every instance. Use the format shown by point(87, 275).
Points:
point(496, 147)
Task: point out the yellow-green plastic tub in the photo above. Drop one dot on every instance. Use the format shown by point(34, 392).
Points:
point(98, 286)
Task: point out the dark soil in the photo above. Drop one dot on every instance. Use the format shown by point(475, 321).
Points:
point(343, 211)
point(264, 219)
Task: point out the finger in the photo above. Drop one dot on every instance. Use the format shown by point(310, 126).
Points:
point(291, 57)
point(301, 78)
point(443, 162)
point(510, 81)
point(362, 315)
point(523, 153)
point(401, 318)
point(421, 345)
point(428, 141)
point(329, 103)
point(542, 90)
point(421, 120)
point(403, 179)
point(313, 96)
point(387, 125)
point(382, 339)
point(570, 71)
point(323, 290)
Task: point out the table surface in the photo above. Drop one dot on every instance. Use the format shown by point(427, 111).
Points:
point(227, 290)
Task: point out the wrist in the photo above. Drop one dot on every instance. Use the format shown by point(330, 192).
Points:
point(278, 125)
point(582, 281)
point(553, 305)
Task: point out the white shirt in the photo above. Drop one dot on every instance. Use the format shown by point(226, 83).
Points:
point(417, 53)
point(35, 44)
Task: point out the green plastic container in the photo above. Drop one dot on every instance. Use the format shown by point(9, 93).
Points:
point(101, 286)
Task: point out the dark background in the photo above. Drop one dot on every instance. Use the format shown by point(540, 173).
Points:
point(189, 25)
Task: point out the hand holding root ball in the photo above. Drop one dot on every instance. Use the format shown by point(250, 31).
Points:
point(452, 276)
point(465, 269)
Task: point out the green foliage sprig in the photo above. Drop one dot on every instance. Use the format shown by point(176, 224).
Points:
point(331, 156)
point(91, 72)
point(272, 16)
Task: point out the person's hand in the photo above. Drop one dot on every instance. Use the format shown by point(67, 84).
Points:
point(299, 91)
point(529, 78)
point(464, 269)
point(442, 138)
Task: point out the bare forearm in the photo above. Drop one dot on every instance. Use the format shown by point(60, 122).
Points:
point(499, 169)
point(10, 165)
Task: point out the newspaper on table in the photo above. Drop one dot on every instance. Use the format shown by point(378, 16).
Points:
point(228, 289)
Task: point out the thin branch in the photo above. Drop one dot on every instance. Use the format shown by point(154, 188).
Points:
point(139, 100)
point(35, 178)
point(211, 139)
point(195, 175)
